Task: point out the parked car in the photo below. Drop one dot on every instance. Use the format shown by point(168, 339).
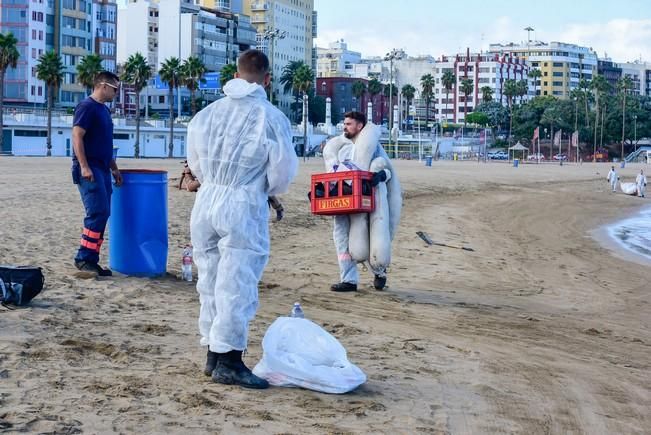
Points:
point(498, 155)
point(536, 157)
point(560, 157)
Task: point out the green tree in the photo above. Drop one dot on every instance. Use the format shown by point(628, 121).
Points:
point(374, 88)
point(427, 93)
point(170, 73)
point(478, 118)
point(449, 81)
point(192, 72)
point(600, 87)
point(522, 87)
point(467, 87)
point(408, 93)
point(50, 69)
point(535, 74)
point(358, 89)
point(87, 69)
point(9, 56)
point(623, 86)
point(136, 72)
point(227, 73)
point(510, 92)
point(584, 87)
point(486, 94)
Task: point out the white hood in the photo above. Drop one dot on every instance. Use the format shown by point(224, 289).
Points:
point(240, 88)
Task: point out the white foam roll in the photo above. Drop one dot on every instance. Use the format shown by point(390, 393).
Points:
point(358, 245)
point(379, 236)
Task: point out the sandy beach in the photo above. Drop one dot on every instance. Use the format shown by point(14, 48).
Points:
point(540, 330)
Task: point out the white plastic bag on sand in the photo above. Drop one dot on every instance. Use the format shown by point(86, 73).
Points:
point(628, 188)
point(299, 353)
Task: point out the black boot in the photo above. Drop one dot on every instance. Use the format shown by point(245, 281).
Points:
point(211, 362)
point(230, 370)
point(344, 287)
point(379, 282)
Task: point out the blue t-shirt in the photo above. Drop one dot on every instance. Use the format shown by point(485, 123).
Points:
point(95, 118)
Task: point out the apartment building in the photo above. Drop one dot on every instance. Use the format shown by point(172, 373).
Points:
point(285, 30)
point(562, 65)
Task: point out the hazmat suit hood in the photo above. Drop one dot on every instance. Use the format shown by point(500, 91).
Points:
point(239, 88)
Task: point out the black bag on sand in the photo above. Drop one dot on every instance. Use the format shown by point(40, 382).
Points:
point(20, 284)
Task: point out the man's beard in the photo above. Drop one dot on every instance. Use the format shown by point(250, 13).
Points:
point(348, 135)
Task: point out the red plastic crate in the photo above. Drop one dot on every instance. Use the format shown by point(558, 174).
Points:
point(339, 193)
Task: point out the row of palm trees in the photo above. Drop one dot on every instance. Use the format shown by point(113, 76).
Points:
point(136, 72)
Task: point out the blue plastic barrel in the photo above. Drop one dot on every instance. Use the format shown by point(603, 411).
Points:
point(138, 223)
point(428, 160)
point(623, 164)
point(516, 162)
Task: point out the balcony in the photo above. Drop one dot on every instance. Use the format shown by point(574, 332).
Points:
point(258, 19)
point(257, 7)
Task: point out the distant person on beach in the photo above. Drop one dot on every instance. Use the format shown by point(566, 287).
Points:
point(364, 237)
point(612, 178)
point(92, 166)
point(240, 149)
point(640, 182)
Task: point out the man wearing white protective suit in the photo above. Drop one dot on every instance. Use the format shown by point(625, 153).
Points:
point(640, 181)
point(240, 149)
point(612, 178)
point(364, 237)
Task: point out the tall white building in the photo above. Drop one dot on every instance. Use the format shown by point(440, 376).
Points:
point(336, 60)
point(293, 41)
point(637, 72)
point(138, 31)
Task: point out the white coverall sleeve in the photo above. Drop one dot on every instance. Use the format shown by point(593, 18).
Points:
point(283, 163)
point(194, 142)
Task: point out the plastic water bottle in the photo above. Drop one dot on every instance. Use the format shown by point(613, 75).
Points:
point(297, 311)
point(186, 268)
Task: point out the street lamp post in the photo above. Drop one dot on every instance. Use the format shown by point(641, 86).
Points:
point(394, 54)
point(271, 35)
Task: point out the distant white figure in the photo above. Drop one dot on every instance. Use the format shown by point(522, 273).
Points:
point(640, 181)
point(612, 178)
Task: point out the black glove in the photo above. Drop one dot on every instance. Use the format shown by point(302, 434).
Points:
point(378, 177)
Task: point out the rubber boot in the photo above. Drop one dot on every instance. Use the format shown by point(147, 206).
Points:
point(211, 363)
point(230, 370)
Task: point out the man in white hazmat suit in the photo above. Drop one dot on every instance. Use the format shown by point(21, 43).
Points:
point(640, 182)
point(612, 178)
point(240, 149)
point(364, 237)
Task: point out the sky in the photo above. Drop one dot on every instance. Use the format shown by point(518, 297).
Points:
point(620, 29)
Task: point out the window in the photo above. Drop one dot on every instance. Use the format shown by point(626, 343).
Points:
point(557, 74)
point(121, 136)
point(557, 83)
point(557, 64)
point(30, 133)
point(40, 91)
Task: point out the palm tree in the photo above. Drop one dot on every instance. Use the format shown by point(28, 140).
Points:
point(358, 90)
point(287, 80)
point(623, 85)
point(9, 56)
point(448, 80)
point(522, 87)
point(584, 86)
point(467, 87)
point(374, 88)
point(599, 87)
point(301, 83)
point(193, 70)
point(535, 74)
point(170, 73)
point(137, 74)
point(50, 70)
point(87, 69)
point(227, 73)
point(408, 93)
point(510, 91)
point(427, 93)
point(486, 94)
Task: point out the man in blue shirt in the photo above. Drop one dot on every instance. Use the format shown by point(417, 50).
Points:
point(92, 166)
